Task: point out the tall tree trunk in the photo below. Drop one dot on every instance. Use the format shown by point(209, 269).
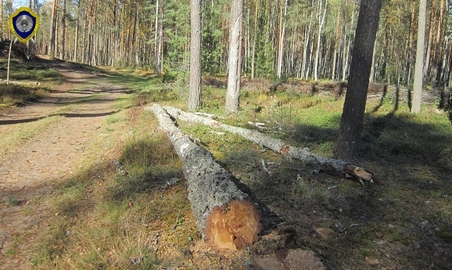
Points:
point(372, 67)
point(305, 62)
point(63, 31)
point(53, 19)
point(444, 97)
point(194, 98)
point(160, 42)
point(233, 90)
point(336, 44)
point(418, 68)
point(438, 49)
point(282, 30)
point(77, 22)
point(2, 34)
point(321, 19)
point(411, 44)
point(156, 41)
point(355, 100)
point(134, 38)
point(253, 52)
point(427, 67)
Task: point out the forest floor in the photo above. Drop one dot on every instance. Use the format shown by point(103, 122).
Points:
point(66, 201)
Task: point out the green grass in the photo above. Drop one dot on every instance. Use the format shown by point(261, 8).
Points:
point(409, 154)
point(12, 201)
point(114, 221)
point(29, 81)
point(11, 95)
point(135, 221)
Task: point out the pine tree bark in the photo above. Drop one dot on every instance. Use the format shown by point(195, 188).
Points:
point(253, 50)
point(233, 90)
point(194, 97)
point(355, 100)
point(419, 65)
point(53, 24)
point(282, 30)
point(226, 217)
point(157, 39)
point(77, 27)
point(321, 20)
point(336, 44)
point(2, 34)
point(63, 30)
point(305, 62)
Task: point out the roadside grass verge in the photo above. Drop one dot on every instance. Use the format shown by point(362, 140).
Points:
point(119, 212)
point(29, 81)
point(11, 95)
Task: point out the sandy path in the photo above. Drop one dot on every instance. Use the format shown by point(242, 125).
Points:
point(28, 171)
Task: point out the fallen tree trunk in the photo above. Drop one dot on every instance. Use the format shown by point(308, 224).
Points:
point(302, 154)
point(225, 216)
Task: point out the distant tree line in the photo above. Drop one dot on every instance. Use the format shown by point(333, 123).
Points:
point(308, 39)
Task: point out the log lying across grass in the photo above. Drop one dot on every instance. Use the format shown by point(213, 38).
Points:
point(226, 217)
point(302, 154)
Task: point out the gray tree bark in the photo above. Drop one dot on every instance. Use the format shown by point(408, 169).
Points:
point(225, 216)
point(63, 30)
point(233, 90)
point(419, 65)
point(321, 20)
point(194, 97)
point(282, 30)
point(2, 34)
point(278, 146)
point(53, 24)
point(253, 52)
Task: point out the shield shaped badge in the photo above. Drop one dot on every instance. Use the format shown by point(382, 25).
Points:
point(24, 24)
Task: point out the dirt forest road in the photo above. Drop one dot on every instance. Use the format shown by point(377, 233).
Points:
point(29, 169)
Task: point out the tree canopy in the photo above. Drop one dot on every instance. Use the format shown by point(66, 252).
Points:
point(304, 39)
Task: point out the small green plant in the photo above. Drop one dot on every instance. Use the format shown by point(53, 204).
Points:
point(12, 201)
point(113, 119)
point(11, 251)
point(302, 187)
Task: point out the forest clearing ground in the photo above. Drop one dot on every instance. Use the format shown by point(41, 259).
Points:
point(64, 205)
point(75, 113)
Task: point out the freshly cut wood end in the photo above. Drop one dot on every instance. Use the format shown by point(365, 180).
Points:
point(358, 172)
point(284, 149)
point(233, 226)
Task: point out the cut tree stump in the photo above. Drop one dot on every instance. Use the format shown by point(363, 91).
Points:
point(302, 154)
point(225, 216)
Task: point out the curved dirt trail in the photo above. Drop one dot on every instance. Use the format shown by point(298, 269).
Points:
point(28, 170)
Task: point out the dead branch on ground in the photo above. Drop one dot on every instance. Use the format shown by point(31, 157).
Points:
point(278, 146)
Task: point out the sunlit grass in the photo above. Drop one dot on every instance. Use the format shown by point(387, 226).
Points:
point(117, 220)
point(13, 94)
point(136, 220)
point(29, 71)
point(29, 81)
